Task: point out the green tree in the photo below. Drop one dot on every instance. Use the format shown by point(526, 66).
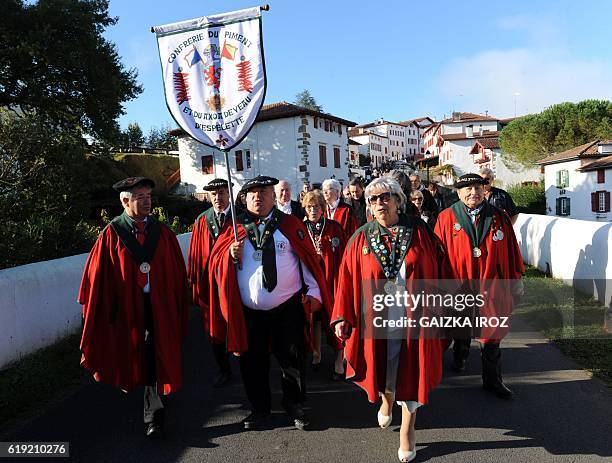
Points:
point(528, 139)
point(133, 135)
point(306, 100)
point(43, 194)
point(55, 61)
point(161, 138)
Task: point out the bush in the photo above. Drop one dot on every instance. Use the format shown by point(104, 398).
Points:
point(529, 199)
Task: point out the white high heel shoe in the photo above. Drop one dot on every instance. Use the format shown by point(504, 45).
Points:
point(383, 420)
point(406, 455)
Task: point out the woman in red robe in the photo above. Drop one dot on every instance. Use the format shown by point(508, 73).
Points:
point(336, 210)
point(329, 241)
point(399, 364)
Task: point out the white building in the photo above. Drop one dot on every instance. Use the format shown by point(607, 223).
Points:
point(469, 142)
point(578, 182)
point(414, 136)
point(288, 142)
point(397, 138)
point(373, 144)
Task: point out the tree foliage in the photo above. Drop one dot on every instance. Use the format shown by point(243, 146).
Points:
point(55, 61)
point(306, 100)
point(530, 138)
point(161, 138)
point(43, 201)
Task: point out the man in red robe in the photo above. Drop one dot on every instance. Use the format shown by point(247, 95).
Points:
point(336, 209)
point(484, 255)
point(262, 289)
point(207, 228)
point(135, 303)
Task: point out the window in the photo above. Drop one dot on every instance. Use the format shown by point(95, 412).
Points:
point(336, 157)
point(239, 165)
point(322, 156)
point(562, 178)
point(316, 122)
point(563, 206)
point(600, 201)
point(339, 129)
point(327, 126)
point(601, 176)
point(208, 164)
point(248, 158)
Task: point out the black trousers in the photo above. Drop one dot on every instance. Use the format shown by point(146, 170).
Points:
point(221, 356)
point(280, 331)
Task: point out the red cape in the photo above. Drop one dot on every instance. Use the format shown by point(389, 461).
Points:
point(226, 309)
point(420, 359)
point(500, 260)
point(331, 259)
point(113, 350)
point(345, 217)
point(201, 244)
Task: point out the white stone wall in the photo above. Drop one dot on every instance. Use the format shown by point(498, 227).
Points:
point(576, 251)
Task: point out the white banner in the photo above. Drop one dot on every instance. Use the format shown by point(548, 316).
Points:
point(214, 75)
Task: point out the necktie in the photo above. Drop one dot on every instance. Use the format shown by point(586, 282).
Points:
point(221, 219)
point(268, 262)
point(143, 278)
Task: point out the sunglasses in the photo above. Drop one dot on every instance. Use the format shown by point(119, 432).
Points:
point(384, 197)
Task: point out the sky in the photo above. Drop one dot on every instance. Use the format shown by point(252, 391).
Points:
point(397, 59)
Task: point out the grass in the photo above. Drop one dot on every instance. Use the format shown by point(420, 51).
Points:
point(575, 323)
point(36, 382)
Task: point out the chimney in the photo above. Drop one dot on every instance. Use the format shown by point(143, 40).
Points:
point(456, 116)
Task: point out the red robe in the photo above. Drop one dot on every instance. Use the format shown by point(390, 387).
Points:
point(202, 241)
point(226, 309)
point(420, 368)
point(345, 217)
point(332, 234)
point(112, 343)
point(500, 261)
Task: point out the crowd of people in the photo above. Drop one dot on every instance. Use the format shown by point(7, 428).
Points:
point(288, 273)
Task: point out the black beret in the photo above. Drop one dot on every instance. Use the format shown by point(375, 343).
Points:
point(259, 181)
point(216, 184)
point(132, 182)
point(470, 179)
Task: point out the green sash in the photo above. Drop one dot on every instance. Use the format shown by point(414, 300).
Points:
point(390, 262)
point(476, 233)
point(124, 227)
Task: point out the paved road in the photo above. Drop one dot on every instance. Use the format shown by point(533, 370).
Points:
point(560, 414)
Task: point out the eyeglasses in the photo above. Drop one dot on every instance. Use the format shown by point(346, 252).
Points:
point(384, 197)
point(313, 206)
point(414, 200)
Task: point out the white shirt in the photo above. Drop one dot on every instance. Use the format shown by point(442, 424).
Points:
point(286, 208)
point(250, 277)
point(331, 209)
point(227, 213)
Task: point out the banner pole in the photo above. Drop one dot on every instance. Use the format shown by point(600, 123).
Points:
point(231, 194)
point(265, 7)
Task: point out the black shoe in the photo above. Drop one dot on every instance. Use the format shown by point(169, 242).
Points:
point(222, 379)
point(255, 420)
point(499, 389)
point(153, 430)
point(297, 417)
point(458, 365)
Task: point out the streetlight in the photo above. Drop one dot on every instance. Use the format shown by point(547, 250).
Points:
point(515, 95)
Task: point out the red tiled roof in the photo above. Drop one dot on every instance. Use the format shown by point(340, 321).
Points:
point(587, 150)
point(470, 117)
point(489, 143)
point(602, 163)
point(463, 136)
point(282, 110)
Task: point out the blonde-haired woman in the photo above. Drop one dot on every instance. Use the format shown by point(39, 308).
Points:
point(329, 241)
